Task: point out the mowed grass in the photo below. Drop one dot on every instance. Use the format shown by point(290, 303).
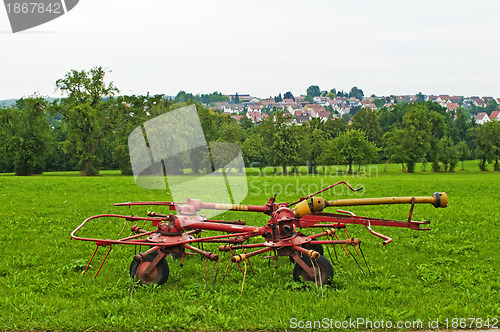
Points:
point(449, 272)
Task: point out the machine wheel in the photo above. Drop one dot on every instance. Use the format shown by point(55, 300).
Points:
point(325, 270)
point(159, 275)
point(315, 247)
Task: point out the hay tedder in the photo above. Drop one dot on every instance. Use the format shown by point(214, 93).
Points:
point(180, 234)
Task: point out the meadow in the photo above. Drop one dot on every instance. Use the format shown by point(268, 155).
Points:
point(449, 272)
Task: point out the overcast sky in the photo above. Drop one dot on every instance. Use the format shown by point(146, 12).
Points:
point(262, 47)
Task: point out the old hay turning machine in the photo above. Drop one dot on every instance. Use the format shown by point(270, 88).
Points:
point(179, 233)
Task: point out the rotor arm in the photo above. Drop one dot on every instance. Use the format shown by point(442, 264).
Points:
point(318, 204)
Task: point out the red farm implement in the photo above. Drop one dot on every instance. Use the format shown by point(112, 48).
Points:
point(179, 234)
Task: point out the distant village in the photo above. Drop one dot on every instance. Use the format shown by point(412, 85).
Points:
point(302, 110)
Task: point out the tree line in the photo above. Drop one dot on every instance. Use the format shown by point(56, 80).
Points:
point(88, 130)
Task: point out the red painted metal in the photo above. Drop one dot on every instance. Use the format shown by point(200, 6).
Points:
point(102, 263)
point(311, 220)
point(174, 233)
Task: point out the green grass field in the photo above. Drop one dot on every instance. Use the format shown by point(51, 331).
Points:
point(449, 272)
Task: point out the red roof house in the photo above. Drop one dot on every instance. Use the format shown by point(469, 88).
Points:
point(495, 115)
point(482, 118)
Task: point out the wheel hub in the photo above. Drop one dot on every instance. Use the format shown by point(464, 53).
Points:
point(147, 278)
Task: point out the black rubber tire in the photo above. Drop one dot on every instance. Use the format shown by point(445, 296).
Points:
point(308, 246)
point(158, 276)
point(324, 264)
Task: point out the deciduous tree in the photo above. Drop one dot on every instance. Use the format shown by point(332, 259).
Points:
point(311, 142)
point(351, 147)
point(448, 154)
point(417, 126)
point(85, 113)
point(253, 150)
point(26, 135)
point(356, 93)
point(284, 142)
point(6, 135)
point(288, 95)
point(485, 147)
point(463, 152)
point(367, 121)
point(313, 91)
point(396, 143)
